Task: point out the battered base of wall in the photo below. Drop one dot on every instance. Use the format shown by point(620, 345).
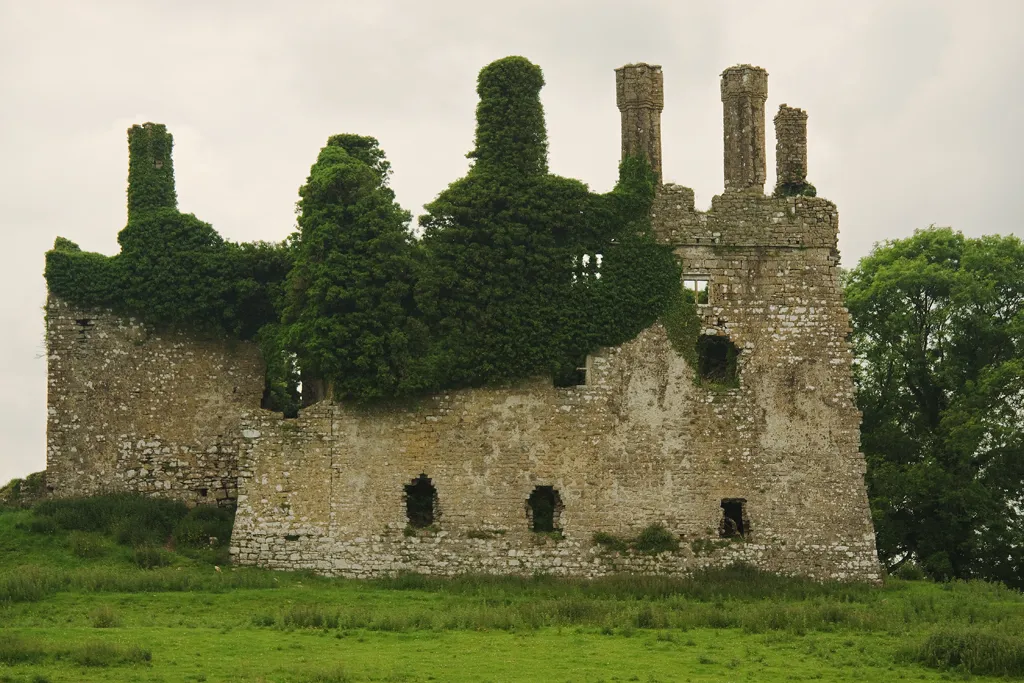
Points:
point(444, 555)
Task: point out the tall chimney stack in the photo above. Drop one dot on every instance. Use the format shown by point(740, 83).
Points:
point(640, 96)
point(150, 169)
point(790, 148)
point(744, 91)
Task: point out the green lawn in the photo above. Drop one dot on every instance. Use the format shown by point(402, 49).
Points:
point(101, 618)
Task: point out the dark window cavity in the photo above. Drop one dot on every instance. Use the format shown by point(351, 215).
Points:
point(420, 502)
point(544, 508)
point(716, 359)
point(572, 372)
point(734, 518)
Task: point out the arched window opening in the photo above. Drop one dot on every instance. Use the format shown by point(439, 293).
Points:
point(544, 509)
point(420, 502)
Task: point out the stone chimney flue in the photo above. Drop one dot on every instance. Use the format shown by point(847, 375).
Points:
point(640, 96)
point(791, 147)
point(744, 91)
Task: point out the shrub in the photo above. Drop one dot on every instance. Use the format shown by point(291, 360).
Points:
point(611, 542)
point(656, 539)
point(203, 522)
point(910, 571)
point(149, 557)
point(15, 649)
point(85, 545)
point(264, 620)
point(972, 651)
point(44, 524)
point(104, 616)
point(23, 493)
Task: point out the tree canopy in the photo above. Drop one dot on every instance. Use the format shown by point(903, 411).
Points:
point(938, 323)
point(349, 310)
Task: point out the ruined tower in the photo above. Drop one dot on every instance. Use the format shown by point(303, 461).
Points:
point(640, 96)
point(790, 147)
point(744, 91)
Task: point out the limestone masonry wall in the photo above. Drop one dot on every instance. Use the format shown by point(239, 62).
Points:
point(130, 409)
point(644, 441)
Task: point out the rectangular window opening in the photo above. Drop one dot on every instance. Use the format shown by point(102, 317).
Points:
point(734, 518)
point(699, 285)
point(573, 373)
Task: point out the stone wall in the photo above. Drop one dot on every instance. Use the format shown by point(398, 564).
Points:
point(641, 443)
point(133, 409)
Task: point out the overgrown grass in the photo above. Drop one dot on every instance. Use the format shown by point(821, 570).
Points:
point(132, 520)
point(34, 583)
point(968, 629)
point(971, 650)
point(17, 649)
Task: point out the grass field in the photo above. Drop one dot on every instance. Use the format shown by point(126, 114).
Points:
point(76, 605)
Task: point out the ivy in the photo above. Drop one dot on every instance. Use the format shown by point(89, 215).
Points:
point(150, 169)
point(795, 189)
point(526, 272)
point(682, 324)
point(519, 272)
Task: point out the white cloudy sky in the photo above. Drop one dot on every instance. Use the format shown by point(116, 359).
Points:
point(912, 106)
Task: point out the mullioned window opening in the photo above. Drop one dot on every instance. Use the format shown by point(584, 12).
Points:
point(700, 286)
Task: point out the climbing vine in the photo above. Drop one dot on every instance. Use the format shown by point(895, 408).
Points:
point(519, 272)
point(795, 189)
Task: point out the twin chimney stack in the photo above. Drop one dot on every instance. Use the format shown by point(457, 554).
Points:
point(640, 96)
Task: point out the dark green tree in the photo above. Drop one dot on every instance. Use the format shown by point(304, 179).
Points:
point(349, 297)
point(939, 341)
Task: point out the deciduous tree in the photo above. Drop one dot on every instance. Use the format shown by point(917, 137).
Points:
point(938, 335)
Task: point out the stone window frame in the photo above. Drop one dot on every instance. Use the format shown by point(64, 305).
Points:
point(692, 281)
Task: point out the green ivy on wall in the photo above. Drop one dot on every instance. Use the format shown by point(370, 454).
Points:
point(519, 272)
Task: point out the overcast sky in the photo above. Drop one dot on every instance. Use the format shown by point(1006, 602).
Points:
point(912, 106)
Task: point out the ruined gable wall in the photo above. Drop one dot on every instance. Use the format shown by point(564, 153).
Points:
point(132, 409)
point(641, 443)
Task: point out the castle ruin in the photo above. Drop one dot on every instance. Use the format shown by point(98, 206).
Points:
point(762, 467)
